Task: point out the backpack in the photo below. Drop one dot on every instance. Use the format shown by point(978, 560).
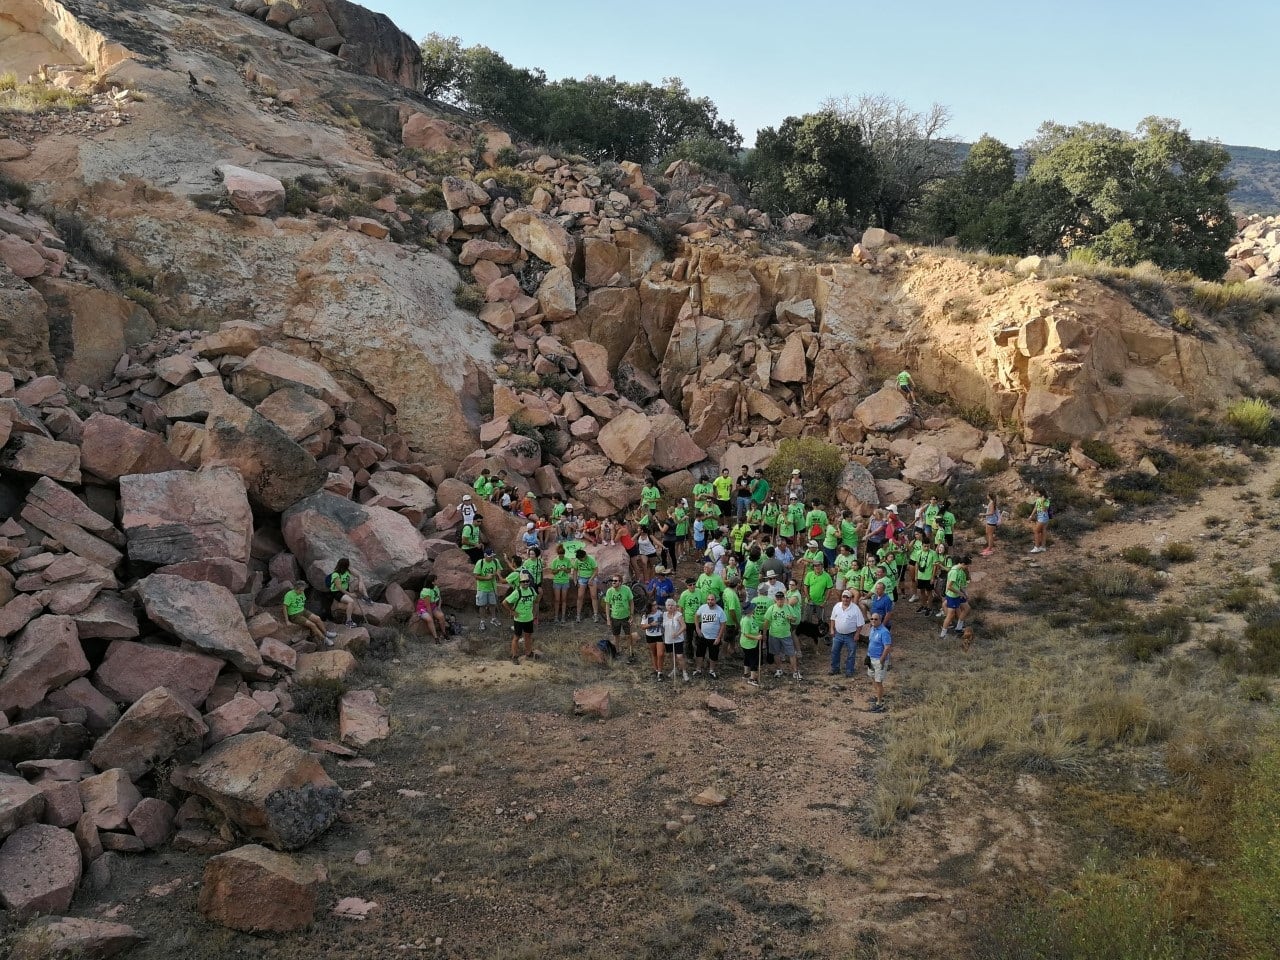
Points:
point(606, 647)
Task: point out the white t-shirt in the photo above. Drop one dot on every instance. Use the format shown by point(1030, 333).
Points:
point(716, 550)
point(673, 628)
point(847, 620)
point(653, 625)
point(468, 511)
point(709, 620)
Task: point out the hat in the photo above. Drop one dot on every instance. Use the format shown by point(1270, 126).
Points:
point(795, 473)
point(528, 526)
point(793, 497)
point(771, 574)
point(813, 543)
point(659, 569)
point(689, 581)
point(488, 551)
point(568, 506)
point(892, 508)
point(525, 575)
point(466, 496)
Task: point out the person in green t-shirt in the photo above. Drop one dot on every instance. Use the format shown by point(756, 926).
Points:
point(708, 583)
point(830, 542)
point(749, 637)
point(483, 485)
point(815, 517)
point(759, 488)
point(955, 596)
point(680, 514)
point(813, 556)
point(586, 571)
point(907, 386)
point(470, 541)
point(755, 516)
point(689, 601)
point(931, 518)
point(738, 535)
point(343, 596)
point(793, 525)
point(619, 608)
point(486, 571)
point(769, 515)
point(702, 490)
point(1041, 514)
point(296, 612)
point(848, 531)
point(946, 525)
point(562, 570)
point(751, 571)
point(817, 584)
point(650, 496)
point(845, 563)
point(781, 642)
point(723, 487)
point(926, 567)
point(522, 601)
point(430, 611)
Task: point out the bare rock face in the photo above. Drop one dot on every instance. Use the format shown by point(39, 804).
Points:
point(383, 546)
point(180, 516)
point(205, 615)
point(159, 726)
point(277, 472)
point(94, 326)
point(267, 788)
point(40, 456)
point(372, 43)
point(258, 890)
point(297, 413)
point(628, 441)
point(46, 655)
point(47, 938)
point(39, 869)
point(267, 369)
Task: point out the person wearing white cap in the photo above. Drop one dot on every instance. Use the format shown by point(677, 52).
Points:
point(530, 536)
point(795, 484)
point(467, 508)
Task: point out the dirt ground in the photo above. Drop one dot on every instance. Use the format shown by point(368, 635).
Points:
point(498, 824)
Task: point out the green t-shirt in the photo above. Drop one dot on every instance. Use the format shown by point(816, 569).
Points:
point(430, 594)
point(947, 521)
point(930, 514)
point(722, 486)
point(740, 533)
point(732, 608)
point(831, 537)
point(926, 564)
point(814, 557)
point(709, 583)
point(557, 510)
point(470, 536)
point(795, 514)
point(586, 565)
point(754, 515)
point(522, 600)
point(849, 534)
point(779, 620)
point(904, 379)
point(701, 490)
point(749, 638)
point(751, 574)
point(486, 571)
point(295, 601)
point(534, 566)
point(868, 577)
point(769, 515)
point(650, 496)
point(689, 603)
point(620, 602)
point(483, 486)
point(759, 490)
point(957, 580)
point(681, 517)
point(816, 517)
point(844, 563)
point(339, 582)
point(561, 569)
point(818, 584)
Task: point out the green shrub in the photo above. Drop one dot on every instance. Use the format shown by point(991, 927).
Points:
point(507, 157)
point(1139, 556)
point(517, 181)
point(1183, 320)
point(1155, 633)
point(316, 698)
point(469, 297)
point(1102, 453)
point(820, 464)
point(1179, 552)
point(1262, 640)
point(1117, 580)
point(977, 415)
point(1255, 689)
point(1239, 303)
point(1241, 597)
point(1251, 418)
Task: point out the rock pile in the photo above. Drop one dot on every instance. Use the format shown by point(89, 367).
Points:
point(1255, 256)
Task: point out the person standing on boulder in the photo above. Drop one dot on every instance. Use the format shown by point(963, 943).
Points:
point(296, 612)
point(907, 386)
point(486, 571)
point(343, 597)
point(741, 495)
point(523, 603)
point(467, 510)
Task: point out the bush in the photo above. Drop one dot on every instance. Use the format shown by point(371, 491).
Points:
point(977, 415)
point(1239, 303)
point(1241, 597)
point(316, 698)
point(1157, 632)
point(1179, 552)
point(820, 464)
point(1102, 453)
point(1251, 419)
point(469, 297)
point(1250, 894)
point(1262, 640)
point(1115, 580)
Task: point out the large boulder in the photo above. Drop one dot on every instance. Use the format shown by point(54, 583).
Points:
point(885, 411)
point(48, 938)
point(256, 194)
point(673, 448)
point(93, 328)
point(541, 236)
point(257, 890)
point(399, 491)
point(556, 294)
point(131, 670)
point(362, 720)
point(203, 614)
point(628, 441)
point(46, 655)
point(39, 869)
point(382, 545)
point(857, 488)
point(20, 804)
point(40, 456)
point(267, 370)
point(927, 464)
point(277, 472)
point(111, 448)
point(108, 798)
point(297, 413)
point(268, 788)
point(160, 726)
point(180, 516)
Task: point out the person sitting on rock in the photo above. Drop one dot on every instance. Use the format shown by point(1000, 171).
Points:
point(296, 612)
point(344, 598)
point(430, 611)
point(483, 485)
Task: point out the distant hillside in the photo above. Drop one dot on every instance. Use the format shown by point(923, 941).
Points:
point(1255, 170)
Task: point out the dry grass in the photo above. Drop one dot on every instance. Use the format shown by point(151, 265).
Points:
point(16, 97)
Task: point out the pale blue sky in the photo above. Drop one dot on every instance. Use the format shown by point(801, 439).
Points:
point(1001, 66)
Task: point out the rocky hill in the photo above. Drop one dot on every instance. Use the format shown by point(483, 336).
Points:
point(263, 307)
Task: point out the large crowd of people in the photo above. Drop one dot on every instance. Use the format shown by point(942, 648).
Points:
point(769, 570)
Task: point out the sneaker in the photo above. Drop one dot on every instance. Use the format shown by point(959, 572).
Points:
point(752, 683)
point(942, 634)
point(349, 623)
point(797, 676)
point(913, 598)
point(833, 673)
point(959, 626)
point(778, 674)
point(482, 626)
point(494, 621)
point(658, 676)
point(697, 672)
point(686, 676)
point(1037, 549)
point(579, 620)
point(595, 617)
point(516, 661)
point(330, 634)
point(711, 674)
point(987, 552)
point(939, 613)
point(876, 708)
point(328, 641)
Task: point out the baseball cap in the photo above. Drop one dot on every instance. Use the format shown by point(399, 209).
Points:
point(771, 575)
point(795, 473)
point(892, 508)
point(793, 497)
point(525, 575)
point(528, 526)
point(846, 596)
point(813, 543)
point(488, 551)
point(659, 569)
point(466, 496)
point(689, 581)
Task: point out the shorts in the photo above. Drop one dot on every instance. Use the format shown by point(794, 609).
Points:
point(633, 551)
point(993, 520)
point(782, 646)
point(751, 658)
point(653, 638)
point(877, 670)
point(955, 603)
point(617, 626)
point(518, 628)
point(706, 647)
point(301, 619)
point(560, 587)
point(676, 649)
point(486, 598)
point(1042, 518)
point(904, 388)
point(925, 584)
point(426, 611)
point(586, 581)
